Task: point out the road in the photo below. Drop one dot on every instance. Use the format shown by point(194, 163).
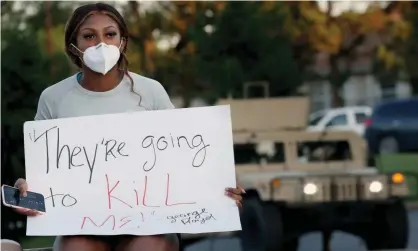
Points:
point(311, 242)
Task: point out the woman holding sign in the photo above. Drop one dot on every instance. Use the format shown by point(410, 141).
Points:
point(96, 39)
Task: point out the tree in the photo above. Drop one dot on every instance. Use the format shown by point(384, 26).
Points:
point(400, 53)
point(248, 49)
point(340, 37)
point(23, 78)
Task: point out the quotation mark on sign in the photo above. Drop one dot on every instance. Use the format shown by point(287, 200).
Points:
point(30, 136)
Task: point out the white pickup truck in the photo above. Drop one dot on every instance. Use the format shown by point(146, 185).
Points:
point(340, 119)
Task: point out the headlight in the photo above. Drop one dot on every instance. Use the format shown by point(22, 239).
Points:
point(375, 186)
point(310, 189)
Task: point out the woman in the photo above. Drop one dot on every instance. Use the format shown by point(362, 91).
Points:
point(96, 39)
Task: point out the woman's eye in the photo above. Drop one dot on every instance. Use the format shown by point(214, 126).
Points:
point(111, 34)
point(88, 36)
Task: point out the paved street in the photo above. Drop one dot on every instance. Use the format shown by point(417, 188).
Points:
point(311, 242)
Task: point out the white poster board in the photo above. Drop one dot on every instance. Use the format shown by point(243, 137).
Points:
point(139, 173)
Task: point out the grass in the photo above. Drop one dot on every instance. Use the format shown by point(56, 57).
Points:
point(37, 242)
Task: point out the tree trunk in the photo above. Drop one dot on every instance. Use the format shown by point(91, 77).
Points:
point(48, 28)
point(413, 81)
point(335, 79)
point(140, 36)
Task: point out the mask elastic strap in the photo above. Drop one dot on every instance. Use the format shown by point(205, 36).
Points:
point(76, 48)
point(79, 51)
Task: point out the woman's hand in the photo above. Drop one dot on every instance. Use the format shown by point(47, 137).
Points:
point(235, 194)
point(23, 188)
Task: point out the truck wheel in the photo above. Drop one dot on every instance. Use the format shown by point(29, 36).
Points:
point(390, 228)
point(388, 145)
point(252, 235)
point(262, 227)
point(273, 228)
point(290, 245)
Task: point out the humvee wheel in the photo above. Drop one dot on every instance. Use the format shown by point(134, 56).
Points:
point(274, 228)
point(252, 235)
point(390, 227)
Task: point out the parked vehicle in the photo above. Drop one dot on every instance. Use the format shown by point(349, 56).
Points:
point(393, 127)
point(340, 119)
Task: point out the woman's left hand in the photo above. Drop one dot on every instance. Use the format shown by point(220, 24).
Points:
point(235, 194)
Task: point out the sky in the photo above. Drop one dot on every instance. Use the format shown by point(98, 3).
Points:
point(341, 6)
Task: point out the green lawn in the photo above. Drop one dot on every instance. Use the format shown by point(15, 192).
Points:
point(37, 242)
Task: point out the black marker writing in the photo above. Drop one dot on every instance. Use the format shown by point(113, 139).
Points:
point(78, 156)
point(110, 145)
point(46, 144)
point(161, 144)
point(66, 201)
point(201, 216)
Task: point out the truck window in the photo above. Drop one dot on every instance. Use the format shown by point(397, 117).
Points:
point(251, 153)
point(338, 120)
point(319, 151)
point(314, 120)
point(246, 154)
point(360, 117)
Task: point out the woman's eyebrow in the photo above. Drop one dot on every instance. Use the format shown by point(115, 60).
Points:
point(88, 28)
point(110, 26)
point(93, 29)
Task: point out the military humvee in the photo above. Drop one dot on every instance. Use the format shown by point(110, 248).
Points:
point(298, 182)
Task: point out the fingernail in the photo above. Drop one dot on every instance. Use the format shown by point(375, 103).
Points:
point(227, 193)
point(24, 194)
point(242, 190)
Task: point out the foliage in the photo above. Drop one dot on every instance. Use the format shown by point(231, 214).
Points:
point(242, 50)
point(23, 78)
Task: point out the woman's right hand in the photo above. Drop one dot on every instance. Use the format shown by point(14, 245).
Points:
point(23, 188)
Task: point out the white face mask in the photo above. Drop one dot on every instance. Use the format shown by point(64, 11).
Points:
point(101, 58)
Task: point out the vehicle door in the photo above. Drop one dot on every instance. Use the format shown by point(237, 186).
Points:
point(359, 118)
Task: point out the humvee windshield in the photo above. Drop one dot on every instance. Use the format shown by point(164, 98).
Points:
point(254, 153)
point(307, 151)
point(312, 151)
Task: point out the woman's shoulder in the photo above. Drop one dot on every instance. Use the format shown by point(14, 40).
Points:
point(144, 82)
point(51, 96)
point(153, 89)
point(57, 90)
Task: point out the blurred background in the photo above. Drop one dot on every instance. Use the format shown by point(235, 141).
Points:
point(347, 54)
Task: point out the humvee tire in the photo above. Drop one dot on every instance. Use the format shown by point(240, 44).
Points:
point(275, 236)
point(262, 227)
point(389, 229)
point(253, 233)
point(273, 228)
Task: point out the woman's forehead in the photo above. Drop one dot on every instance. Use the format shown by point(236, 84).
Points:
point(98, 20)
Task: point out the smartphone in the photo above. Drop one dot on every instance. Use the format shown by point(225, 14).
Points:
point(12, 198)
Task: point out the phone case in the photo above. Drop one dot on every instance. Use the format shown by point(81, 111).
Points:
point(33, 201)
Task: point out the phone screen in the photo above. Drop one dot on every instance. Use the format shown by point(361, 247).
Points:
point(12, 198)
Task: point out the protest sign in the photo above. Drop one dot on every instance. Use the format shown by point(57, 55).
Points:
point(139, 173)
